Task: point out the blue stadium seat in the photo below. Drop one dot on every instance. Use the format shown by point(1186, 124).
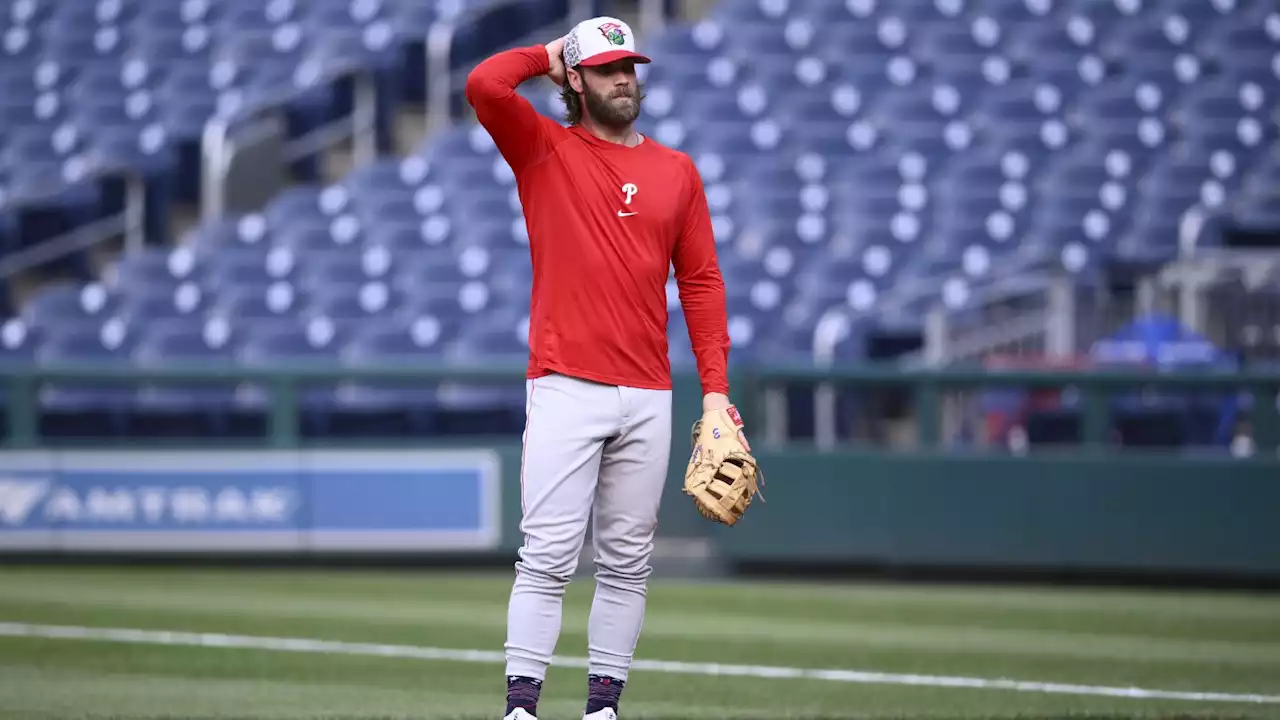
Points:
point(57, 306)
point(75, 410)
point(198, 410)
point(849, 149)
point(158, 305)
point(18, 342)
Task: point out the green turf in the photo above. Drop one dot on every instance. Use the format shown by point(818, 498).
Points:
point(1165, 640)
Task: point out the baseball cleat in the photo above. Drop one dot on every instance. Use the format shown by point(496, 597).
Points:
point(519, 714)
point(605, 714)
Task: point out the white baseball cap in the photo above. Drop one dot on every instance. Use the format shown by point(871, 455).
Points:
point(598, 41)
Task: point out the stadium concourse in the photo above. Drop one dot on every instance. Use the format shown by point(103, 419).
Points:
point(875, 156)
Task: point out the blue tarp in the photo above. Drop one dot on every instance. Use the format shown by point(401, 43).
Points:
point(1160, 342)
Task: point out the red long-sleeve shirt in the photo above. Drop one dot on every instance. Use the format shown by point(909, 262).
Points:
point(607, 223)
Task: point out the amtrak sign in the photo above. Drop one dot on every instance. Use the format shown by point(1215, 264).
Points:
point(24, 502)
point(18, 498)
point(250, 501)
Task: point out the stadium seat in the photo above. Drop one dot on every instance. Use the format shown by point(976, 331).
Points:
point(849, 150)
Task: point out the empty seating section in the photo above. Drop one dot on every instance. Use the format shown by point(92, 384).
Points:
point(130, 84)
point(974, 138)
point(872, 155)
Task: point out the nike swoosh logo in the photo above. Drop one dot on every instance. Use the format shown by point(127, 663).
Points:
point(622, 214)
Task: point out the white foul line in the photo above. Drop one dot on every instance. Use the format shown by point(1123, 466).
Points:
point(490, 657)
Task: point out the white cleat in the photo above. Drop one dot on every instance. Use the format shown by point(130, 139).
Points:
point(519, 714)
point(605, 714)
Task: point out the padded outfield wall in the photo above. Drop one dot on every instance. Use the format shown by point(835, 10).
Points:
point(1091, 509)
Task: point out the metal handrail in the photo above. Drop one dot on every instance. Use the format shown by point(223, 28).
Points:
point(129, 222)
point(220, 132)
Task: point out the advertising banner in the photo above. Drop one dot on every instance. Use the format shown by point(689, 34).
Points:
point(298, 500)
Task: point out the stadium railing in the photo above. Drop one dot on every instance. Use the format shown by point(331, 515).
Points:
point(245, 153)
point(129, 223)
point(1056, 312)
point(1096, 395)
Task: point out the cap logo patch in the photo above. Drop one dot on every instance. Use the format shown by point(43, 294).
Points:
point(614, 33)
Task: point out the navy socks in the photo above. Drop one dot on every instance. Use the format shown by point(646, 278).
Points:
point(603, 692)
point(522, 692)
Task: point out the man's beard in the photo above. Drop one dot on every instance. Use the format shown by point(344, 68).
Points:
point(603, 110)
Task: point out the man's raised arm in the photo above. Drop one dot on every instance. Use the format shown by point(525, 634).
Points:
point(517, 128)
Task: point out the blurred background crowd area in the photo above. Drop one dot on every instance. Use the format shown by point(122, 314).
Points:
point(973, 183)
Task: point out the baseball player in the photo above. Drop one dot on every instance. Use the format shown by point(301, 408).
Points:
point(609, 212)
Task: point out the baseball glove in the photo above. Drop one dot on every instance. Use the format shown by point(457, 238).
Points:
point(722, 474)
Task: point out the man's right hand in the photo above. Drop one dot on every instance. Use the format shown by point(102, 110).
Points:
point(555, 53)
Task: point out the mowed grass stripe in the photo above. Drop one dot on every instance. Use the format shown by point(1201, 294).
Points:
point(1238, 678)
point(693, 625)
point(481, 586)
point(139, 694)
point(1186, 603)
point(910, 630)
point(665, 620)
point(1246, 619)
point(454, 655)
point(652, 696)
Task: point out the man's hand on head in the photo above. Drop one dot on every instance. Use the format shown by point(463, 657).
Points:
point(555, 53)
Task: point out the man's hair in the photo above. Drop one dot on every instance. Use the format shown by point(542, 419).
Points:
point(572, 102)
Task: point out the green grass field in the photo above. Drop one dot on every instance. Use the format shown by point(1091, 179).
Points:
point(1171, 641)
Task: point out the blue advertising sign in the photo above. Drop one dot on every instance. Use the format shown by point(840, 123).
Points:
point(270, 500)
point(428, 500)
point(25, 481)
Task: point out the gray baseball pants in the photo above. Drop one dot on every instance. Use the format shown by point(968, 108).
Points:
point(591, 452)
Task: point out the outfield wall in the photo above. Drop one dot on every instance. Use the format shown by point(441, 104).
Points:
point(1175, 515)
point(1094, 508)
